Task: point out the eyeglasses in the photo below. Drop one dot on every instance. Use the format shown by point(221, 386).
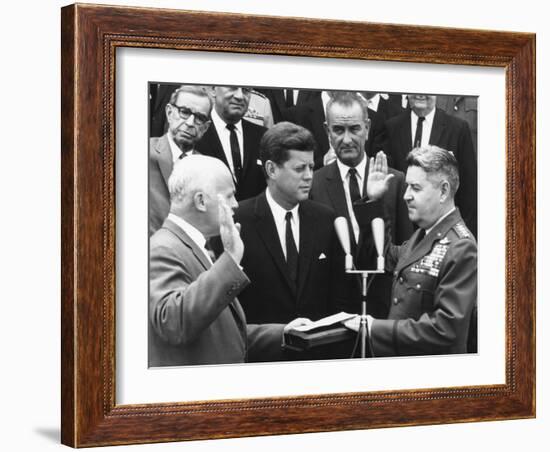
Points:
point(184, 112)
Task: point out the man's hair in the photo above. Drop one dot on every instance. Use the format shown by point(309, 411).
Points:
point(194, 173)
point(436, 160)
point(347, 99)
point(197, 90)
point(283, 137)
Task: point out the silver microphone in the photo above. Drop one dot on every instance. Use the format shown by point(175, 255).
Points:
point(377, 225)
point(342, 231)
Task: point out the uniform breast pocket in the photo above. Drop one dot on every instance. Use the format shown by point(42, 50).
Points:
point(420, 291)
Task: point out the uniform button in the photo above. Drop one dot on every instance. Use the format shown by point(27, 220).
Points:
point(418, 286)
point(395, 300)
point(400, 280)
point(395, 273)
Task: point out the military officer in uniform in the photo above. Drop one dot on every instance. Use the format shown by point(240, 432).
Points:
point(434, 291)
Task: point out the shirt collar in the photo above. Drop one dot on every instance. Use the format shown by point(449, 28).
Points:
point(373, 102)
point(441, 218)
point(176, 151)
point(278, 212)
point(193, 233)
point(344, 169)
point(220, 124)
point(428, 119)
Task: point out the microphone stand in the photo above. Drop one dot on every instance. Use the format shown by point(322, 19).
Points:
point(364, 331)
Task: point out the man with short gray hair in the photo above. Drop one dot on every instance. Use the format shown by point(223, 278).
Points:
point(434, 293)
point(194, 315)
point(188, 117)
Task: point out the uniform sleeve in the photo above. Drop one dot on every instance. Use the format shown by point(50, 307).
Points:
point(442, 329)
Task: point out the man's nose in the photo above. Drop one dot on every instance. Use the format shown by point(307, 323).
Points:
point(238, 93)
point(308, 173)
point(407, 194)
point(190, 121)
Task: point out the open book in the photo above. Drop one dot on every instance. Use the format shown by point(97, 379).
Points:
point(325, 322)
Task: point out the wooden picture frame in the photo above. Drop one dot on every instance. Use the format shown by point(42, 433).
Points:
point(90, 37)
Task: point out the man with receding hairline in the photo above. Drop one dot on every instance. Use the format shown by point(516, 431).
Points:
point(434, 293)
point(194, 315)
point(188, 116)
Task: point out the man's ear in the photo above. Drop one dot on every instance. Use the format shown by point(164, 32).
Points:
point(199, 200)
point(168, 109)
point(445, 190)
point(270, 168)
point(367, 126)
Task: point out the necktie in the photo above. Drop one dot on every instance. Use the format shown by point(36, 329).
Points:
point(235, 152)
point(289, 98)
point(418, 134)
point(291, 250)
point(184, 154)
point(354, 192)
point(421, 235)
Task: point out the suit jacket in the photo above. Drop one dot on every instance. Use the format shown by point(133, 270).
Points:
point(386, 109)
point(272, 296)
point(327, 188)
point(450, 133)
point(194, 317)
point(252, 180)
point(434, 293)
point(160, 169)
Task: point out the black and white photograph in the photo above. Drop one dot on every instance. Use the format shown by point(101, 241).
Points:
point(289, 224)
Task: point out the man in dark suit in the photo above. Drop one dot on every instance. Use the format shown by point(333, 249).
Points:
point(291, 251)
point(344, 182)
point(235, 140)
point(306, 108)
point(188, 116)
point(423, 124)
point(194, 317)
point(434, 293)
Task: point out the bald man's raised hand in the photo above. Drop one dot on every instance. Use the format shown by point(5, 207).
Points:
point(229, 231)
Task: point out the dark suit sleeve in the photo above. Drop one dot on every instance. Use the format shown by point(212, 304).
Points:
point(180, 308)
point(436, 331)
point(265, 342)
point(466, 196)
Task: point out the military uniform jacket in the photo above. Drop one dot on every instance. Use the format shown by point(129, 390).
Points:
point(434, 292)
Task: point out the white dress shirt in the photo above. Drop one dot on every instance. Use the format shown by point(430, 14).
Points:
point(426, 127)
point(280, 221)
point(176, 151)
point(223, 133)
point(194, 234)
point(344, 174)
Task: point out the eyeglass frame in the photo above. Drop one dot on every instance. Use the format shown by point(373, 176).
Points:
point(196, 115)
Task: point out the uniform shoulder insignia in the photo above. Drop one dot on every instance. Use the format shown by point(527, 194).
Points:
point(461, 230)
point(257, 93)
point(444, 241)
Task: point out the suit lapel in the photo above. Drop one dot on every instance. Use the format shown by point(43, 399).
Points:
point(166, 164)
point(405, 136)
point(305, 252)
point(437, 127)
point(215, 145)
point(337, 195)
point(268, 233)
point(247, 147)
point(198, 253)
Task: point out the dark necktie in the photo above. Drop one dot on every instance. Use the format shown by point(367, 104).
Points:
point(289, 98)
point(184, 154)
point(235, 152)
point(421, 235)
point(418, 134)
point(354, 192)
point(291, 250)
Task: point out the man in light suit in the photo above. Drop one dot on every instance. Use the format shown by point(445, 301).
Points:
point(235, 140)
point(188, 116)
point(194, 317)
point(434, 294)
point(344, 181)
point(291, 251)
point(424, 124)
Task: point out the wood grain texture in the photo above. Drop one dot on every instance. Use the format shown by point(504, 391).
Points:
point(90, 36)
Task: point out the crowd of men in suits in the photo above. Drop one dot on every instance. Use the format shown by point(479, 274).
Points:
point(244, 187)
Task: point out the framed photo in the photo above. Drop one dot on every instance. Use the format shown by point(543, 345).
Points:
point(114, 60)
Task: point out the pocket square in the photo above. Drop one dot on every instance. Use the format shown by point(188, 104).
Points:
point(259, 162)
point(322, 256)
